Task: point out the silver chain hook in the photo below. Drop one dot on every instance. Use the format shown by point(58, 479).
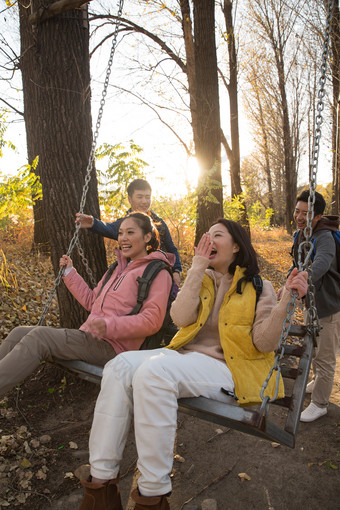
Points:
point(75, 239)
point(306, 247)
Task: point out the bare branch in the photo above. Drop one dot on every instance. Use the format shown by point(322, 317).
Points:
point(12, 107)
point(225, 83)
point(56, 8)
point(226, 145)
point(146, 103)
point(129, 25)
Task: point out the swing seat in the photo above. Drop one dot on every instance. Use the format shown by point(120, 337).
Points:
point(252, 419)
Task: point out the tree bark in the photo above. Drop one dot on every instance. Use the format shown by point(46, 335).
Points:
point(190, 57)
point(335, 68)
point(265, 148)
point(234, 159)
point(207, 138)
point(56, 84)
point(290, 181)
point(54, 9)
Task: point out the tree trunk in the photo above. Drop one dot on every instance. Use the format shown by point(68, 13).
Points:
point(235, 161)
point(335, 68)
point(207, 138)
point(41, 239)
point(56, 84)
point(290, 180)
point(190, 59)
point(267, 164)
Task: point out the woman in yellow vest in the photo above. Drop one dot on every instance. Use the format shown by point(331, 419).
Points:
point(223, 350)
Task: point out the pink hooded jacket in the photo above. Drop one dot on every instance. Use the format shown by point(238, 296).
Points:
point(119, 296)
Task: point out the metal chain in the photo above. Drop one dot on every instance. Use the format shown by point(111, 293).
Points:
point(90, 166)
point(305, 248)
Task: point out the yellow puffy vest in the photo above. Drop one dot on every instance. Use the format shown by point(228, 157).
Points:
point(249, 366)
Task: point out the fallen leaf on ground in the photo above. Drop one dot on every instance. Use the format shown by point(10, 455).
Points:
point(41, 475)
point(179, 458)
point(243, 476)
point(25, 463)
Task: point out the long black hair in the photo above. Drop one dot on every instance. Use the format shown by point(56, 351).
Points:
point(246, 256)
point(145, 222)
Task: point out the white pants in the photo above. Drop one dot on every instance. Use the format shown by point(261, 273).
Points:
point(148, 384)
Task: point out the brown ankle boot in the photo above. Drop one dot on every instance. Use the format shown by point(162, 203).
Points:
point(98, 496)
point(149, 503)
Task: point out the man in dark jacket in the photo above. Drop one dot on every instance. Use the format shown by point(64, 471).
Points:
point(326, 280)
point(139, 196)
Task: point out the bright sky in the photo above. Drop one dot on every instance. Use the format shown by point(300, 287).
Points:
point(169, 167)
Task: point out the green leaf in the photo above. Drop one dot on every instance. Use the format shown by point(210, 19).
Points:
point(122, 166)
point(331, 466)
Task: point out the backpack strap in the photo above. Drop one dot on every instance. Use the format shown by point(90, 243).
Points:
point(258, 286)
point(109, 272)
point(257, 283)
point(295, 238)
point(145, 281)
point(336, 237)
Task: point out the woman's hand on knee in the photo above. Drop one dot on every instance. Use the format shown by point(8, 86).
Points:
point(98, 328)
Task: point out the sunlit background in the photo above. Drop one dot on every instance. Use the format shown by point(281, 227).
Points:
point(171, 172)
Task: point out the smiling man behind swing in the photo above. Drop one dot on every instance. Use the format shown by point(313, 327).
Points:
point(326, 280)
point(139, 196)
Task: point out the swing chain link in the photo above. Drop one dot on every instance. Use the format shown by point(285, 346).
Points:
point(313, 322)
point(321, 94)
point(90, 166)
point(306, 247)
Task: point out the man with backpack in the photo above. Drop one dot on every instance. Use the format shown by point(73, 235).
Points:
point(326, 280)
point(139, 196)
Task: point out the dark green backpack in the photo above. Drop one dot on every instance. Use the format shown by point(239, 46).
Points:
point(168, 329)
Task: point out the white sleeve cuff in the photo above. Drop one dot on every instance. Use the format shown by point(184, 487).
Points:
point(68, 270)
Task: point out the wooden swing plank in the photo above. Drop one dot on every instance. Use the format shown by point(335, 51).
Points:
point(92, 373)
point(243, 419)
point(238, 418)
point(298, 393)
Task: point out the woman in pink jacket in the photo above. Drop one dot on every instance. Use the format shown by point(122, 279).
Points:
point(109, 329)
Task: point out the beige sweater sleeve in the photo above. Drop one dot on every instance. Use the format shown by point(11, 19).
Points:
point(269, 318)
point(184, 310)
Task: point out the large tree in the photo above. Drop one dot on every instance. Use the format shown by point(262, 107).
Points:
point(56, 84)
point(232, 85)
point(208, 133)
point(200, 91)
point(335, 68)
point(275, 21)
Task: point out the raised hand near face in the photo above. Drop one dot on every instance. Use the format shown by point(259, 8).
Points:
point(204, 246)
